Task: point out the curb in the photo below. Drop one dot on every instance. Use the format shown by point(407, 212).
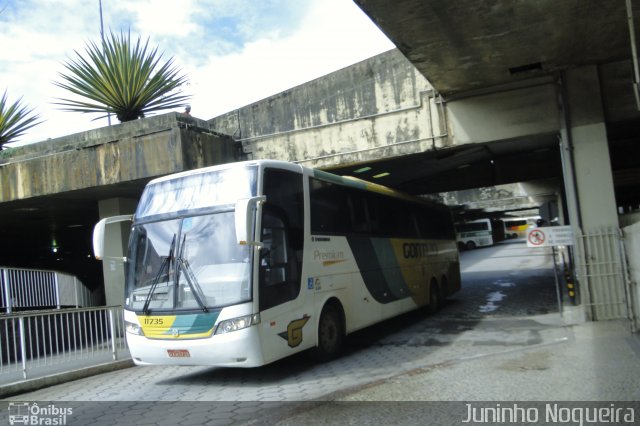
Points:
point(30, 385)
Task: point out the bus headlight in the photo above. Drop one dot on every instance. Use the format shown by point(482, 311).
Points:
point(236, 324)
point(133, 328)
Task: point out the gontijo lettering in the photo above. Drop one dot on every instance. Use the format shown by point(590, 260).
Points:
point(413, 250)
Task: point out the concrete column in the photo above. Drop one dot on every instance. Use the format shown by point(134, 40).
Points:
point(589, 187)
point(588, 136)
point(115, 243)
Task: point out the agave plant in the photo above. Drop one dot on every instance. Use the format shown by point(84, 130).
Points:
point(122, 79)
point(15, 119)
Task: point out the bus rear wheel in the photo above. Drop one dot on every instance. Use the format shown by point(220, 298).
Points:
point(471, 245)
point(330, 334)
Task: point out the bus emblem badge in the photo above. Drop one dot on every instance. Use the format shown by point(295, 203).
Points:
point(175, 332)
point(293, 335)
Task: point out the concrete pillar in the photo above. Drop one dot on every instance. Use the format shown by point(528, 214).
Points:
point(115, 243)
point(588, 136)
point(589, 189)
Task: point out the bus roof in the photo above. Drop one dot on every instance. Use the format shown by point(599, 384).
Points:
point(192, 172)
point(320, 174)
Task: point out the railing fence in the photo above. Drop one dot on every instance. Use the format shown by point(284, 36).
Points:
point(29, 288)
point(601, 271)
point(33, 340)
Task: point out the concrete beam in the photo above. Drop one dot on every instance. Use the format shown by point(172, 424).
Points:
point(380, 107)
point(508, 114)
point(510, 197)
point(126, 152)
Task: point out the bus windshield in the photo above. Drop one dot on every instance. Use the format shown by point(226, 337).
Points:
point(183, 251)
point(192, 262)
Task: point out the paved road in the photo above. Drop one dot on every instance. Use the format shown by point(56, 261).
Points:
point(502, 287)
point(513, 280)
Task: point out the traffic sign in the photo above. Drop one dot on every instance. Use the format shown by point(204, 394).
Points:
point(536, 238)
point(549, 236)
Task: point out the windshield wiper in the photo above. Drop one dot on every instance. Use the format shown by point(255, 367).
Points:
point(183, 264)
point(166, 261)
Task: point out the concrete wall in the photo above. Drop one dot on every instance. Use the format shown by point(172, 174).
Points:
point(351, 115)
point(124, 152)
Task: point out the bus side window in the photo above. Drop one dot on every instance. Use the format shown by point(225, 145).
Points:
point(282, 236)
point(278, 268)
point(273, 255)
point(358, 212)
point(330, 208)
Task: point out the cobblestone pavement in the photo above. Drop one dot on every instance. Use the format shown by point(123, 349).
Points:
point(502, 284)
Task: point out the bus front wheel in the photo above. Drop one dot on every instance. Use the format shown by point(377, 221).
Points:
point(330, 334)
point(471, 245)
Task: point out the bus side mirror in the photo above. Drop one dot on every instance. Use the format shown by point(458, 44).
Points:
point(245, 218)
point(98, 233)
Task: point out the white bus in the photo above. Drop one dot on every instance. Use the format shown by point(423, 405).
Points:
point(517, 227)
point(476, 233)
point(246, 263)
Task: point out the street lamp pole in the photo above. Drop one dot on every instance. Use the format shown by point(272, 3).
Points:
point(102, 37)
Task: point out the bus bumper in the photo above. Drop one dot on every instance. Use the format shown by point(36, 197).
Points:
point(235, 349)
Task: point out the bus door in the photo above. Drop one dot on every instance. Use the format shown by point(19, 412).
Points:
point(285, 322)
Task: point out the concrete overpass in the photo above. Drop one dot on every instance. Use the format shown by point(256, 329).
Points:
point(382, 120)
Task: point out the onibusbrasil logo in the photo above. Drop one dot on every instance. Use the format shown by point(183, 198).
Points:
point(28, 413)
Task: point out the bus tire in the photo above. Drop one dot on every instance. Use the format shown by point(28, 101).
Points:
point(330, 334)
point(434, 298)
point(470, 245)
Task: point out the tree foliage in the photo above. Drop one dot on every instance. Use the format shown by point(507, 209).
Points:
point(121, 78)
point(15, 119)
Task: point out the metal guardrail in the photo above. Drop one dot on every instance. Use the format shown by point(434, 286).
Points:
point(31, 288)
point(59, 338)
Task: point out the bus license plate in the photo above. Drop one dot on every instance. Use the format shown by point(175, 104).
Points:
point(178, 353)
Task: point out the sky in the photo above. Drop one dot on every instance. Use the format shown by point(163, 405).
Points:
point(233, 52)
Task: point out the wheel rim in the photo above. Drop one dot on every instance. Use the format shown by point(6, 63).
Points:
point(329, 332)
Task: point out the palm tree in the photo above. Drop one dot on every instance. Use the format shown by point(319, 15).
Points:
point(15, 119)
point(122, 79)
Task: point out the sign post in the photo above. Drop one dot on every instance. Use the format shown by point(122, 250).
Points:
point(551, 236)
